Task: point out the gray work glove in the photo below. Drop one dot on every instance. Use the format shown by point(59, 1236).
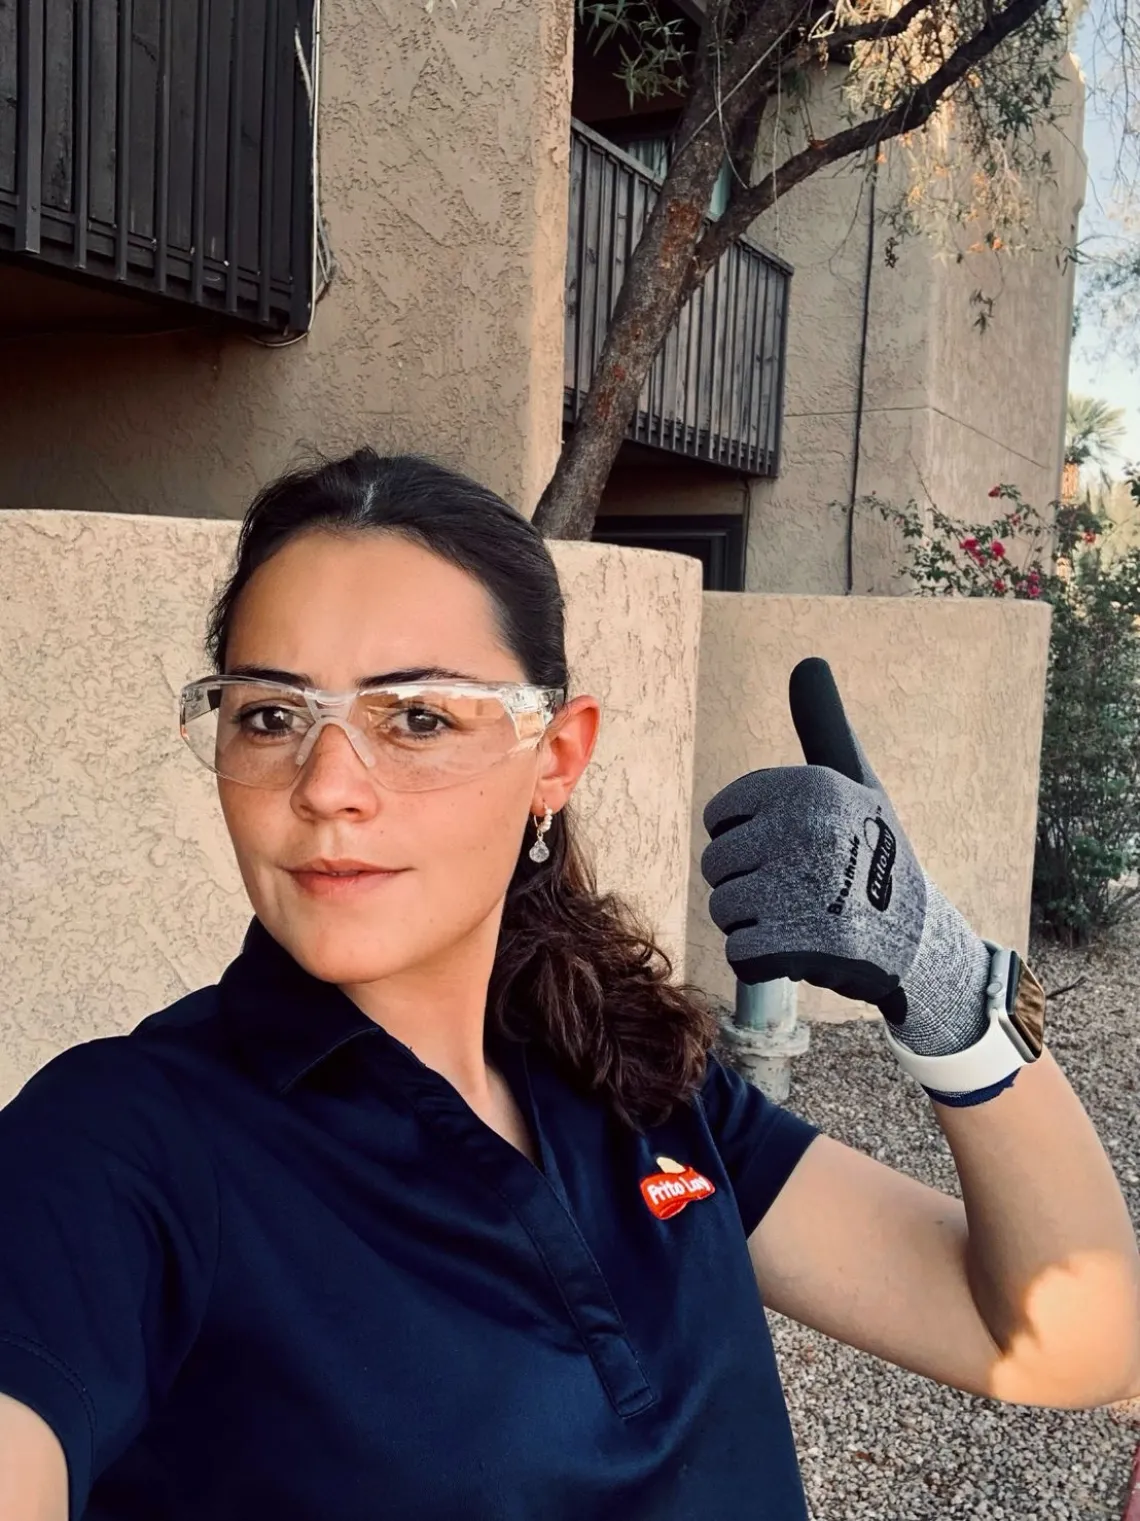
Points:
point(814, 879)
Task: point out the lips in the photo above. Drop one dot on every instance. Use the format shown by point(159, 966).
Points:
point(341, 879)
point(341, 867)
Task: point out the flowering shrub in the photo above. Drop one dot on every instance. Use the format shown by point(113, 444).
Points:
point(1088, 818)
point(1019, 553)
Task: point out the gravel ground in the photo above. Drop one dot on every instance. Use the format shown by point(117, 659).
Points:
point(877, 1442)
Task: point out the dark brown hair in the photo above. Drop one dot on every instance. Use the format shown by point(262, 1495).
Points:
point(574, 969)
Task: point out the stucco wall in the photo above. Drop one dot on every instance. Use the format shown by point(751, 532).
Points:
point(444, 147)
point(118, 891)
point(947, 699)
point(950, 408)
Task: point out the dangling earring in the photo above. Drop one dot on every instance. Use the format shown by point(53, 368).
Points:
point(540, 850)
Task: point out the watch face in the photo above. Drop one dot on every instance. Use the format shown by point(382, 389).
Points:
point(1028, 1012)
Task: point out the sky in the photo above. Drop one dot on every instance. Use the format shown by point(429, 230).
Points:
point(1094, 369)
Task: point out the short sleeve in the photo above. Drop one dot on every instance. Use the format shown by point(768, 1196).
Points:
point(108, 1239)
point(759, 1141)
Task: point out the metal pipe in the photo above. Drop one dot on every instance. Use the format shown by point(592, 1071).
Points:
point(29, 123)
point(82, 86)
point(162, 176)
point(123, 138)
point(765, 1005)
point(201, 133)
point(764, 1034)
point(271, 54)
point(233, 157)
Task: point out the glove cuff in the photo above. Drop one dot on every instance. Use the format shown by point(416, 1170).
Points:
point(989, 1062)
point(945, 986)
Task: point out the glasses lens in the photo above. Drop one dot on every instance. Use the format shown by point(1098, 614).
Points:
point(253, 733)
point(430, 738)
point(247, 731)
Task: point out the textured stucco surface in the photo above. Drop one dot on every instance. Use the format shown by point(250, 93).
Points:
point(118, 890)
point(633, 622)
point(949, 408)
point(444, 157)
point(947, 698)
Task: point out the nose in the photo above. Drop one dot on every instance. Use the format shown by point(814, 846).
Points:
point(355, 737)
point(333, 778)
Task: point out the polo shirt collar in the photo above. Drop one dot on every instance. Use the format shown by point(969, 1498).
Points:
point(285, 1020)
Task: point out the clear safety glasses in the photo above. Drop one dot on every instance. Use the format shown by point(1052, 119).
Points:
point(412, 737)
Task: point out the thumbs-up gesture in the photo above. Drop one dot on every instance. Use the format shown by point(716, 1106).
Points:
point(814, 879)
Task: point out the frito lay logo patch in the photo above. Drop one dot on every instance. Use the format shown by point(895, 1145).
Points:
point(668, 1191)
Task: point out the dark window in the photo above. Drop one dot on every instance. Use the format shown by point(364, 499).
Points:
point(716, 540)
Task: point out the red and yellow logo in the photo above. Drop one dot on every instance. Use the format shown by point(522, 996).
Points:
point(668, 1191)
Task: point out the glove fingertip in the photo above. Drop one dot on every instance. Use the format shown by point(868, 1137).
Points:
point(821, 724)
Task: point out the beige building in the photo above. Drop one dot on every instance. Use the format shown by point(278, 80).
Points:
point(478, 179)
point(908, 372)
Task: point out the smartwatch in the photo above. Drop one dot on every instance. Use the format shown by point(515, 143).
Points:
point(1014, 1035)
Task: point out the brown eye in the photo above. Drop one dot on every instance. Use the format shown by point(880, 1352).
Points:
point(418, 723)
point(269, 721)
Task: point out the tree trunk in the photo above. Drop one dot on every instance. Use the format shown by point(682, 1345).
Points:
point(648, 303)
point(651, 295)
point(675, 252)
point(569, 504)
point(662, 271)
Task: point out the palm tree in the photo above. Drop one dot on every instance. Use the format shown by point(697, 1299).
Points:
point(1093, 432)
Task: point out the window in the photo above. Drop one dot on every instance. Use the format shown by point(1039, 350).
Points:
point(653, 152)
point(715, 539)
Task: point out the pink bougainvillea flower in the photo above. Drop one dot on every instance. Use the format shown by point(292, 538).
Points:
point(1090, 538)
point(995, 491)
point(1032, 589)
point(997, 549)
point(999, 587)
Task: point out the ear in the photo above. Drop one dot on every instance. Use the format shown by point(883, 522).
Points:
point(565, 752)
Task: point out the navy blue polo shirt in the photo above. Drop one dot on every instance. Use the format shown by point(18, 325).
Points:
point(258, 1260)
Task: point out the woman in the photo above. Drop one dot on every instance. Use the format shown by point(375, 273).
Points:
point(438, 1205)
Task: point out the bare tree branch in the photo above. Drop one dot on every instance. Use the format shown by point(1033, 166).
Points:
point(874, 31)
point(736, 88)
point(678, 245)
point(913, 111)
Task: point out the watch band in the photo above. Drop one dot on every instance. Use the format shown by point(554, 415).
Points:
point(998, 1053)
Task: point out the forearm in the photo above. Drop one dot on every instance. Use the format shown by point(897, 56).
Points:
point(1052, 1259)
point(813, 878)
point(33, 1468)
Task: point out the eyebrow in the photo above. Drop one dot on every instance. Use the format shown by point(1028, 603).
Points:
point(384, 678)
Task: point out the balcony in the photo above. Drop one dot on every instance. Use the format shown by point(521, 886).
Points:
point(715, 389)
point(161, 148)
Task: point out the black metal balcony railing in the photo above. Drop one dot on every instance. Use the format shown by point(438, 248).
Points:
point(715, 389)
point(164, 145)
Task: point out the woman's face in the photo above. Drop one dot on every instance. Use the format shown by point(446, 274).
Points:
point(333, 611)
